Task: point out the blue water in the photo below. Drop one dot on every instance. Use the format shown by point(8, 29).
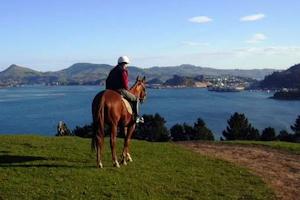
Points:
point(37, 109)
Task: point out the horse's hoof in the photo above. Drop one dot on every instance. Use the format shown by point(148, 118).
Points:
point(123, 162)
point(129, 158)
point(100, 166)
point(116, 164)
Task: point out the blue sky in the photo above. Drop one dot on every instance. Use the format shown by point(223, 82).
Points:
point(52, 35)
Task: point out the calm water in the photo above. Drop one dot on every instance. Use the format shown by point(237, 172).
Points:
point(37, 109)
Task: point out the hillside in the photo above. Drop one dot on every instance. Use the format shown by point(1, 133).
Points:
point(273, 161)
point(64, 168)
point(289, 78)
point(95, 74)
point(165, 73)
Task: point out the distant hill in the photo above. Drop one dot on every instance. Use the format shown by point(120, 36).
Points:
point(180, 81)
point(289, 78)
point(165, 73)
point(15, 74)
point(91, 74)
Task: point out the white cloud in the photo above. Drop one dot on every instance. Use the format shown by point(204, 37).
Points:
point(271, 50)
point(256, 38)
point(251, 18)
point(242, 58)
point(200, 19)
point(190, 43)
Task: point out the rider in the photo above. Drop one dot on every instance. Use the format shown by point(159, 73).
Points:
point(118, 80)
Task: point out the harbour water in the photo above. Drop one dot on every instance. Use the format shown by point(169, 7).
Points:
point(38, 109)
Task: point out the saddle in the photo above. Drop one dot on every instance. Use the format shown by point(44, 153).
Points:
point(127, 105)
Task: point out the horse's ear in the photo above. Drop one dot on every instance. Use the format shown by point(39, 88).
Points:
point(137, 78)
point(144, 79)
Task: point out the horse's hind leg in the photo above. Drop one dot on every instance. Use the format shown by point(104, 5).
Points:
point(113, 140)
point(100, 142)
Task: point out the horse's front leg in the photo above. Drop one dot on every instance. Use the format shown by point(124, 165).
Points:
point(127, 142)
point(113, 140)
point(124, 153)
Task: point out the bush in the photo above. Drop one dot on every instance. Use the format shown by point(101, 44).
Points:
point(285, 136)
point(268, 134)
point(177, 133)
point(153, 129)
point(240, 129)
point(85, 131)
point(186, 132)
point(63, 130)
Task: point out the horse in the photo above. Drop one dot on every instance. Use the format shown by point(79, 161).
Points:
point(109, 109)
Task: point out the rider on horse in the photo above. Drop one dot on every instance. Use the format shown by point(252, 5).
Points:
point(118, 80)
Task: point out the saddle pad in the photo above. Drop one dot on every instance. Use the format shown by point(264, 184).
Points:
point(127, 105)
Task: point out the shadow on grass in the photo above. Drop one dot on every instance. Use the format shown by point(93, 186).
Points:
point(15, 161)
point(9, 159)
point(45, 166)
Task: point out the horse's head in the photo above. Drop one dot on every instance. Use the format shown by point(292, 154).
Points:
point(139, 88)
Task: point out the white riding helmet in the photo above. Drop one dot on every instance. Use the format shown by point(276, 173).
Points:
point(123, 59)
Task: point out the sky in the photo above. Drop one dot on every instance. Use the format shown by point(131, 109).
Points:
point(225, 34)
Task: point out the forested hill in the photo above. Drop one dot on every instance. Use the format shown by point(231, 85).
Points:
point(289, 78)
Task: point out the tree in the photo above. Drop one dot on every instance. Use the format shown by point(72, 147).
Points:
point(153, 129)
point(253, 134)
point(285, 136)
point(201, 132)
point(177, 133)
point(296, 129)
point(268, 134)
point(296, 126)
point(240, 129)
point(188, 131)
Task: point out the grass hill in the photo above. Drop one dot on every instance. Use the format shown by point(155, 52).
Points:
point(33, 167)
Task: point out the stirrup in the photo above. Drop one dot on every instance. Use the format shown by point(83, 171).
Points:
point(139, 120)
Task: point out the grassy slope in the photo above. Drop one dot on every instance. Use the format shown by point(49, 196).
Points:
point(34, 167)
point(287, 146)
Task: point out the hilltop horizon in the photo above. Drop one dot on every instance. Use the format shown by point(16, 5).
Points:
point(142, 67)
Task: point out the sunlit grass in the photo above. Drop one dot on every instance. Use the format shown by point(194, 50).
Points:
point(33, 167)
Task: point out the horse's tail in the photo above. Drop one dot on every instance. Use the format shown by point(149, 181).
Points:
point(98, 119)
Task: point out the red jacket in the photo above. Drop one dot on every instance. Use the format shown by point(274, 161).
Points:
point(117, 79)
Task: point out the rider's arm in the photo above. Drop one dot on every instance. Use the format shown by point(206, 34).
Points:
point(125, 79)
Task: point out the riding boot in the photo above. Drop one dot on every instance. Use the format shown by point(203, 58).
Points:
point(138, 119)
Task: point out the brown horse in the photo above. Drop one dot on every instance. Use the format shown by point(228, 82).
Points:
point(108, 108)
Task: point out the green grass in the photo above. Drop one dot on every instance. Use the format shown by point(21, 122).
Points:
point(287, 146)
point(33, 167)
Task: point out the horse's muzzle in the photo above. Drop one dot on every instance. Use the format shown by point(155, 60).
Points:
point(142, 100)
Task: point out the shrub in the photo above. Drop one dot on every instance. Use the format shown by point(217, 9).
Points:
point(153, 129)
point(285, 136)
point(63, 130)
point(177, 133)
point(85, 131)
point(186, 132)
